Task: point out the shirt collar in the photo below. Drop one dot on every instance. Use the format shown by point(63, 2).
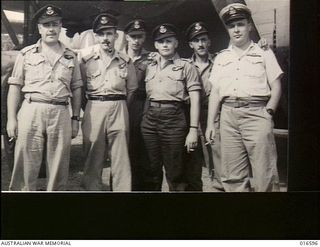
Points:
point(173, 60)
point(38, 46)
point(210, 58)
point(251, 46)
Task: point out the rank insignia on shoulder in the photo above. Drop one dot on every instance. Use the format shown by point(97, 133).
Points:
point(66, 56)
point(176, 68)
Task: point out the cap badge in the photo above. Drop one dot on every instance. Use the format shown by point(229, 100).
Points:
point(198, 27)
point(49, 11)
point(136, 25)
point(104, 20)
point(232, 11)
point(162, 29)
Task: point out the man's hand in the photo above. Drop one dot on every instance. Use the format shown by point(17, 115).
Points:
point(210, 134)
point(12, 128)
point(75, 128)
point(192, 140)
point(263, 44)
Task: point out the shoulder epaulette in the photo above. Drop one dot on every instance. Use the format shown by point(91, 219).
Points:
point(69, 54)
point(27, 48)
point(124, 57)
point(189, 60)
point(87, 54)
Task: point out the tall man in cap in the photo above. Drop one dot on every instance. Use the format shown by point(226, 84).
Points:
point(135, 34)
point(246, 81)
point(48, 74)
point(199, 41)
point(110, 80)
point(170, 82)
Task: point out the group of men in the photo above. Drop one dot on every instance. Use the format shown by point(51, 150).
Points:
point(146, 112)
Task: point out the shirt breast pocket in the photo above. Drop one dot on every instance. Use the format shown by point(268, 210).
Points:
point(34, 69)
point(93, 75)
point(254, 67)
point(65, 70)
point(175, 83)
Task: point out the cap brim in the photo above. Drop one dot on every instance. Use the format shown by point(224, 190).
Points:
point(163, 36)
point(135, 32)
point(104, 27)
point(46, 20)
point(197, 34)
point(235, 18)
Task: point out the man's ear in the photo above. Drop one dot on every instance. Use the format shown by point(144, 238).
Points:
point(116, 35)
point(190, 45)
point(127, 37)
point(176, 44)
point(156, 45)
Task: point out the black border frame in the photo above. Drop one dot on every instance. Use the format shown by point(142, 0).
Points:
point(291, 215)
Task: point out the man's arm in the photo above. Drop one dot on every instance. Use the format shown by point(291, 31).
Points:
point(13, 104)
point(192, 137)
point(275, 94)
point(213, 109)
point(76, 106)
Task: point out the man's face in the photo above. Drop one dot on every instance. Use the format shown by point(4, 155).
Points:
point(200, 44)
point(106, 38)
point(239, 31)
point(50, 31)
point(135, 41)
point(167, 46)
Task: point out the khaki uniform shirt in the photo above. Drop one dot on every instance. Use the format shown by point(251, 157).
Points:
point(35, 74)
point(245, 76)
point(204, 77)
point(173, 82)
point(105, 78)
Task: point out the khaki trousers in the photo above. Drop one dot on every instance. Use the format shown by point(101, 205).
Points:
point(43, 129)
point(247, 138)
point(105, 129)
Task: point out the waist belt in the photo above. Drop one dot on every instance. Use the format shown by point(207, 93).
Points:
point(165, 104)
point(111, 97)
point(51, 102)
point(243, 103)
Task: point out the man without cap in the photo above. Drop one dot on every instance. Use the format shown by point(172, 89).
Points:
point(199, 41)
point(48, 74)
point(246, 81)
point(170, 82)
point(135, 34)
point(110, 80)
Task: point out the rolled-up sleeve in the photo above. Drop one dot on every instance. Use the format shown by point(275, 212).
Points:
point(192, 78)
point(17, 76)
point(132, 81)
point(273, 69)
point(76, 81)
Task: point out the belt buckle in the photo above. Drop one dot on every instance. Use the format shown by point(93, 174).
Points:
point(241, 103)
point(101, 98)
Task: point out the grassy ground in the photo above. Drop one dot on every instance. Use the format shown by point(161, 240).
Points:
point(76, 168)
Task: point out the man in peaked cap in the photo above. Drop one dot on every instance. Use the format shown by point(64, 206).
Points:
point(135, 34)
point(170, 82)
point(110, 79)
point(198, 36)
point(48, 74)
point(246, 81)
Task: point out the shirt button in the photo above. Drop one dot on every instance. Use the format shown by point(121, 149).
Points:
point(237, 68)
point(236, 78)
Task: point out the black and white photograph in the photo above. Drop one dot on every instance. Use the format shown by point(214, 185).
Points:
point(150, 98)
point(165, 101)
